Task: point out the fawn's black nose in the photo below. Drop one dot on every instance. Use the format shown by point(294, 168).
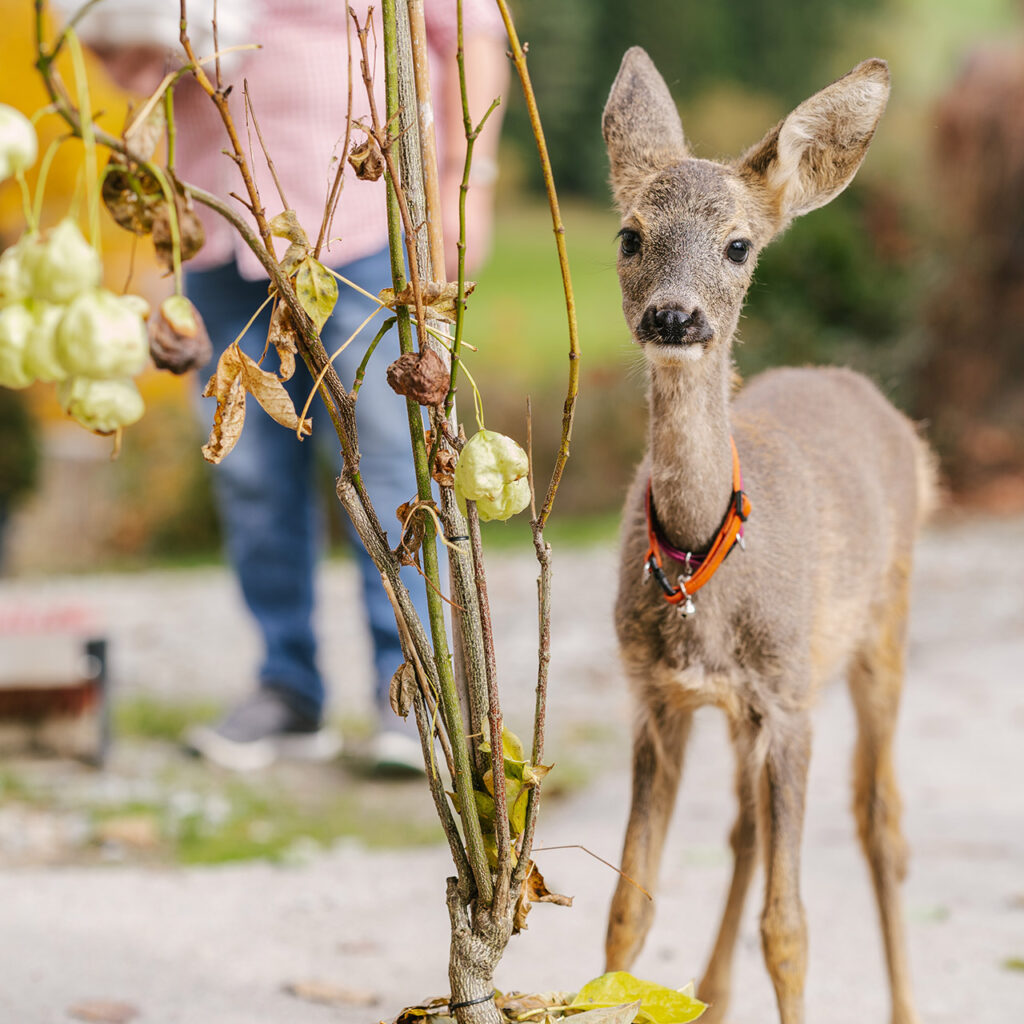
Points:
point(672, 325)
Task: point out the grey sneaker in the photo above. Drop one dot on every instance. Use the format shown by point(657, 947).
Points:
point(396, 753)
point(263, 728)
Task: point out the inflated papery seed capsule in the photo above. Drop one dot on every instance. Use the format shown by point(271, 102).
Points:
point(63, 265)
point(41, 360)
point(15, 279)
point(15, 330)
point(101, 336)
point(492, 471)
point(18, 144)
point(101, 405)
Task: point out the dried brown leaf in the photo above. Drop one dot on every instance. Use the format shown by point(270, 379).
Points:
point(143, 136)
point(400, 693)
point(131, 197)
point(421, 376)
point(535, 891)
point(443, 470)
point(313, 990)
point(284, 337)
point(190, 231)
point(408, 550)
point(237, 374)
point(366, 159)
point(226, 387)
point(103, 1011)
point(438, 298)
point(268, 390)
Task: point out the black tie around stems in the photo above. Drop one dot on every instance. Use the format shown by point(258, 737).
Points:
point(471, 1002)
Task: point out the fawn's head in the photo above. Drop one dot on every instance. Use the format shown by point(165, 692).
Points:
point(692, 229)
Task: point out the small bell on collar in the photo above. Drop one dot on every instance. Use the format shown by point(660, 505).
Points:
point(686, 607)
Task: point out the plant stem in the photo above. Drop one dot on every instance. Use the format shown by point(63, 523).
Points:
point(398, 215)
point(219, 97)
point(519, 59)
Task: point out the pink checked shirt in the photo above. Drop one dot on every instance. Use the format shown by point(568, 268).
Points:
point(298, 82)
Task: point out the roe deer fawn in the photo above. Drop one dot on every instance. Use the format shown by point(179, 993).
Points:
point(838, 482)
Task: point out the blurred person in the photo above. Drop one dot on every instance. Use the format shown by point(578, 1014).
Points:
point(298, 82)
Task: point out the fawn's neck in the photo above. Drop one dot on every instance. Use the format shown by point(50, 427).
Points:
point(691, 461)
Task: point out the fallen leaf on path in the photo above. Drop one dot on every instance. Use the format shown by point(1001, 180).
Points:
point(313, 990)
point(103, 1011)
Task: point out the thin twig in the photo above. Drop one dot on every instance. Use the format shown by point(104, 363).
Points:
point(384, 140)
point(607, 863)
point(339, 176)
point(220, 98)
point(519, 59)
point(494, 718)
point(263, 145)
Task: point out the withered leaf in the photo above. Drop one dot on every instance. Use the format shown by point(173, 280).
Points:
point(316, 289)
point(438, 298)
point(226, 386)
point(413, 526)
point(421, 376)
point(424, 1013)
point(533, 891)
point(190, 232)
point(130, 196)
point(237, 374)
point(283, 336)
point(313, 990)
point(444, 467)
point(517, 1004)
point(624, 1014)
point(103, 1011)
point(178, 340)
point(142, 136)
point(400, 693)
point(286, 225)
point(366, 159)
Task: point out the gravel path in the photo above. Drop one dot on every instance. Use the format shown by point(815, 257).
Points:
point(217, 945)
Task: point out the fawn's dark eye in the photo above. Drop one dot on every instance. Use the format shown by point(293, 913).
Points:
point(629, 242)
point(739, 250)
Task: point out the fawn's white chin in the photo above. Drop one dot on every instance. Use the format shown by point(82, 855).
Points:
point(673, 355)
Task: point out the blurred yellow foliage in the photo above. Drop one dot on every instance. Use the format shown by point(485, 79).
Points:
point(21, 87)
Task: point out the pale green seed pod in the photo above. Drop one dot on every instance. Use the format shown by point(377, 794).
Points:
point(41, 360)
point(63, 265)
point(101, 405)
point(492, 471)
point(15, 330)
point(101, 336)
point(15, 278)
point(18, 144)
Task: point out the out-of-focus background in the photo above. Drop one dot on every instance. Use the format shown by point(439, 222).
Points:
point(914, 275)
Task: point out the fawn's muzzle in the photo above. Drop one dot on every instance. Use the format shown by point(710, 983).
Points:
point(671, 325)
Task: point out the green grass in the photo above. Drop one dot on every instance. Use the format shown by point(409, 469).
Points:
point(517, 315)
point(155, 719)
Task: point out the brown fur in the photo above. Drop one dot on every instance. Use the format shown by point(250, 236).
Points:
point(839, 481)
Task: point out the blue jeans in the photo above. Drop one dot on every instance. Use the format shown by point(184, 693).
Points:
point(265, 486)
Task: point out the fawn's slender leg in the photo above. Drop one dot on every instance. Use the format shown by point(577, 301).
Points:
point(783, 925)
point(715, 985)
point(658, 747)
point(876, 680)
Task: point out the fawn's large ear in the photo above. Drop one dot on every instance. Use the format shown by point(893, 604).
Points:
point(810, 157)
point(641, 126)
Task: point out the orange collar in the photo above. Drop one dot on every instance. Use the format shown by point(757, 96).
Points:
point(697, 569)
